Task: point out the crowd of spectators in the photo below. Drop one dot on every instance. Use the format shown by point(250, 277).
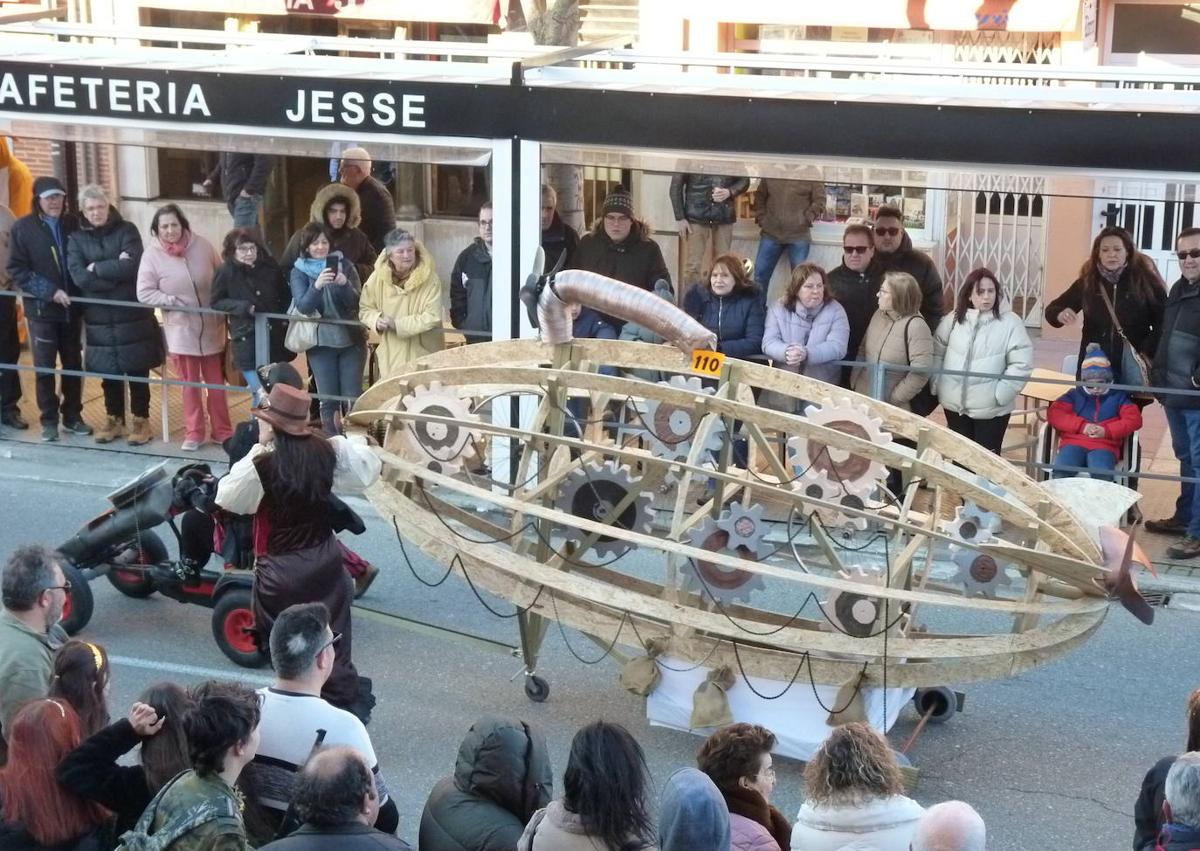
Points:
point(220, 766)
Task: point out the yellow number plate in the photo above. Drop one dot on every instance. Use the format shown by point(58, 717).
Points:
point(706, 362)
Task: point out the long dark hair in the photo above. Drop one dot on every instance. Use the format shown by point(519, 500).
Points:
point(301, 469)
point(80, 674)
point(165, 754)
point(174, 210)
point(605, 785)
point(963, 304)
point(1145, 283)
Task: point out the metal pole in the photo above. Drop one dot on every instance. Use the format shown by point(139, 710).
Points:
point(262, 340)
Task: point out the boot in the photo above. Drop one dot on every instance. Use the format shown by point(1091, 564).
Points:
point(140, 433)
point(113, 428)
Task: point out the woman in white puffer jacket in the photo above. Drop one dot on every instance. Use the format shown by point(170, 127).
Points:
point(982, 335)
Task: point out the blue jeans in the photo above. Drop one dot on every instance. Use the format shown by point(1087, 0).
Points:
point(769, 252)
point(1185, 443)
point(245, 211)
point(339, 372)
point(1094, 459)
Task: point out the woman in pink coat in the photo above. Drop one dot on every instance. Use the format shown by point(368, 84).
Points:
point(177, 270)
point(738, 759)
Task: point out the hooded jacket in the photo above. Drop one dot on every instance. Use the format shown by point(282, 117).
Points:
point(824, 333)
point(901, 341)
point(1177, 359)
point(691, 198)
point(414, 305)
point(693, 816)
point(501, 778)
point(879, 824)
point(16, 182)
point(1148, 811)
point(920, 266)
point(737, 319)
point(471, 291)
point(786, 209)
point(165, 281)
point(120, 340)
point(37, 264)
point(236, 289)
point(1077, 408)
point(348, 239)
point(982, 342)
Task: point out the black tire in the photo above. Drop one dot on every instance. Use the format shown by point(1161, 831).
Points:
point(77, 611)
point(942, 700)
point(536, 688)
point(136, 583)
point(233, 628)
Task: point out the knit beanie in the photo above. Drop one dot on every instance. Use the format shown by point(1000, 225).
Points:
point(1095, 366)
point(618, 201)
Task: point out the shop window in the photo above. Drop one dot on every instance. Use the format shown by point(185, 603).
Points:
point(180, 172)
point(1163, 29)
point(598, 181)
point(183, 20)
point(458, 190)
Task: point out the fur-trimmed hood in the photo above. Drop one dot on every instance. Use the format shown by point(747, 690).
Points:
point(340, 192)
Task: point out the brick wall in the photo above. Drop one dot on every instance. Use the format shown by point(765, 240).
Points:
point(37, 154)
point(93, 163)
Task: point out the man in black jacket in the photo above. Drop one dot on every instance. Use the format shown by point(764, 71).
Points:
point(559, 239)
point(1177, 366)
point(894, 252)
point(37, 263)
point(243, 180)
point(336, 801)
point(855, 285)
point(471, 283)
point(705, 210)
point(378, 208)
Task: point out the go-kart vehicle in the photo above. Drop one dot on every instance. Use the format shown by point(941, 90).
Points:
point(121, 544)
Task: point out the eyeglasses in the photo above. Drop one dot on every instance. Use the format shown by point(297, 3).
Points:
point(65, 587)
point(856, 249)
point(246, 249)
point(886, 231)
point(486, 223)
point(1184, 255)
point(337, 636)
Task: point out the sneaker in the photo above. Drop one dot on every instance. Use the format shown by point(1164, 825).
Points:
point(1189, 547)
point(1167, 526)
point(78, 427)
point(113, 428)
point(13, 419)
point(362, 583)
point(190, 445)
point(49, 432)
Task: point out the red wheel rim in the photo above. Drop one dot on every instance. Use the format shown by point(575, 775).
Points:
point(239, 631)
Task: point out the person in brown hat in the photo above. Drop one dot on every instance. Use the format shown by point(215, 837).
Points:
point(285, 480)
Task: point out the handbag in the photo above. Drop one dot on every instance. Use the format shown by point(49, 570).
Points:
point(1134, 368)
point(301, 334)
point(924, 403)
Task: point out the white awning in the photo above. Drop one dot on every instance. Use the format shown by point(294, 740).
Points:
point(1011, 15)
point(443, 11)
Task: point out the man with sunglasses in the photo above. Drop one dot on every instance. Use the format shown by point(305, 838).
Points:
point(295, 718)
point(855, 285)
point(1177, 366)
point(34, 591)
point(894, 252)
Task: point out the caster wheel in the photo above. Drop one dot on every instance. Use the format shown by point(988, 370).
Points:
point(536, 689)
point(942, 700)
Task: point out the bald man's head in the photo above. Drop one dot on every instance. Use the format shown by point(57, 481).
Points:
point(334, 788)
point(950, 826)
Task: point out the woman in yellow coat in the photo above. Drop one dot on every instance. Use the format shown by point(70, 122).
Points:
point(402, 301)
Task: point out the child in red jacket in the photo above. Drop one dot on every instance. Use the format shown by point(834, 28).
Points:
point(1093, 421)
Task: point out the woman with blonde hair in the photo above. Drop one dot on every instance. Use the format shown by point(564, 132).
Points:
point(898, 337)
point(854, 795)
point(402, 302)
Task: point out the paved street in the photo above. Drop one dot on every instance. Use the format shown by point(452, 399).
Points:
point(1051, 758)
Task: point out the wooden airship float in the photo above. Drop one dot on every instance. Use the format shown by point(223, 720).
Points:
point(659, 511)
